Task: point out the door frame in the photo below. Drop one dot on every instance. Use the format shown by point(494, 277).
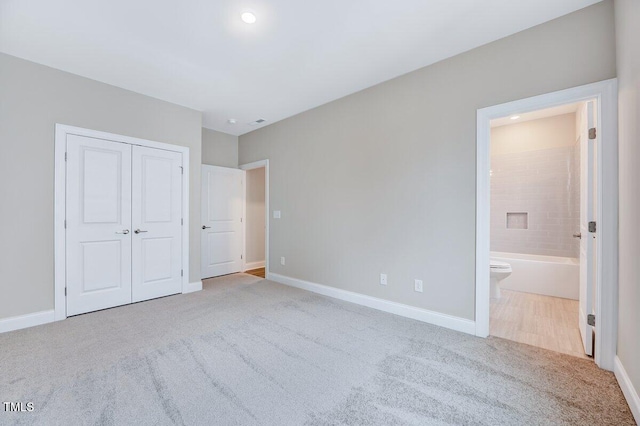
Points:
point(251, 166)
point(606, 279)
point(60, 196)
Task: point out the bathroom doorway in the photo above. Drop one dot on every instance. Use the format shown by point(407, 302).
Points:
point(547, 205)
point(542, 165)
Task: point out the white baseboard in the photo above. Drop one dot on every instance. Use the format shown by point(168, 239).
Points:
point(436, 318)
point(25, 321)
point(628, 390)
point(253, 265)
point(191, 287)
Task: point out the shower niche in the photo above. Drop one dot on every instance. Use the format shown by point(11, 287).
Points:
point(517, 220)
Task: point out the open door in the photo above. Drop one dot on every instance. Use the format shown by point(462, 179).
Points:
point(588, 141)
point(222, 239)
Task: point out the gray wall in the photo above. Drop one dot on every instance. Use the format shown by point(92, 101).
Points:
point(535, 170)
point(219, 149)
point(384, 180)
point(255, 215)
point(627, 36)
point(33, 98)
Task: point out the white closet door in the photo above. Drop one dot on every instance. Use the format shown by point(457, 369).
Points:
point(156, 223)
point(222, 234)
point(98, 224)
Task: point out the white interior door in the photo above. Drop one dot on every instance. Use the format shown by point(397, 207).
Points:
point(587, 215)
point(222, 234)
point(156, 223)
point(98, 220)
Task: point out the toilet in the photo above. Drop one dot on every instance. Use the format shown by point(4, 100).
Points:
point(499, 271)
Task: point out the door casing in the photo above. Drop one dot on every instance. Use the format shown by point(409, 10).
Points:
point(606, 278)
point(60, 176)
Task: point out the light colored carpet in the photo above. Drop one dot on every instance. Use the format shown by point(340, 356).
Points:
point(248, 351)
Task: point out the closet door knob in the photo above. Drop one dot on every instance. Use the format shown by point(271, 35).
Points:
point(205, 227)
point(137, 231)
point(125, 232)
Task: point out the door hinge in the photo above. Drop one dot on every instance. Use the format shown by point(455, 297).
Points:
point(591, 320)
point(181, 221)
point(65, 156)
point(65, 224)
point(592, 227)
point(592, 133)
point(65, 291)
point(240, 257)
point(182, 272)
point(240, 220)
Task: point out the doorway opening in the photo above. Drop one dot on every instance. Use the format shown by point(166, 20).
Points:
point(527, 213)
point(542, 251)
point(258, 172)
point(235, 220)
point(256, 221)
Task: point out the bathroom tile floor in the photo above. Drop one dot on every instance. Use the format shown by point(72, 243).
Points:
point(543, 321)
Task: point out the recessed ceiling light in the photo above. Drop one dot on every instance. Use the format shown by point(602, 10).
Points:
point(232, 121)
point(248, 17)
point(514, 117)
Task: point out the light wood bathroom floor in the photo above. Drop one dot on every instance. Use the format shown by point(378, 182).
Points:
point(543, 321)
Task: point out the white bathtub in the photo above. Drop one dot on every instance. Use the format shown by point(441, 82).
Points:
point(548, 275)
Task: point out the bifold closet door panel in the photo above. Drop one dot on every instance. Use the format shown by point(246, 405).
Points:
point(98, 221)
point(157, 223)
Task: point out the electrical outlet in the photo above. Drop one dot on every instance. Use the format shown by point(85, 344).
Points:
point(418, 285)
point(282, 260)
point(276, 214)
point(383, 279)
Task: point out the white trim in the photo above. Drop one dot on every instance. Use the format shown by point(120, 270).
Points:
point(25, 321)
point(607, 177)
point(191, 287)
point(243, 267)
point(483, 218)
point(60, 147)
point(59, 216)
point(251, 166)
point(430, 317)
point(629, 392)
point(186, 213)
point(254, 265)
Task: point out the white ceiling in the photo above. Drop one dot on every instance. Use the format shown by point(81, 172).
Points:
point(300, 54)
point(535, 115)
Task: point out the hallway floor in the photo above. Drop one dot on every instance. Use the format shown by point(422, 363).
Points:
point(259, 272)
point(543, 321)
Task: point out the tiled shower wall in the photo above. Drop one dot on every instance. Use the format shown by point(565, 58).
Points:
point(544, 184)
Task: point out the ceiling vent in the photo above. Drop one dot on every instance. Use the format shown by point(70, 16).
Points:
point(258, 121)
